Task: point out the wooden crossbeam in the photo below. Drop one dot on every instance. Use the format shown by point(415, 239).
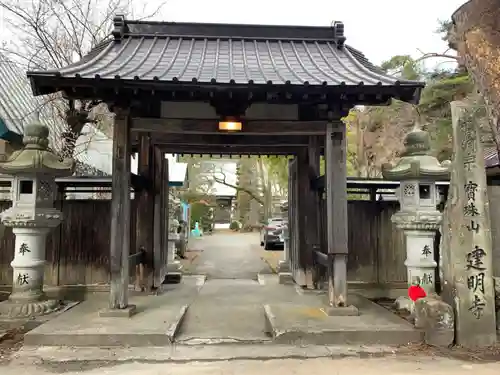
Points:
point(228, 150)
point(234, 139)
point(183, 126)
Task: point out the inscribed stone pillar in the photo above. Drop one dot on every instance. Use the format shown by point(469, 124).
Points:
point(467, 250)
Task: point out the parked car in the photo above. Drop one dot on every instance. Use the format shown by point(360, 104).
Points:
point(271, 234)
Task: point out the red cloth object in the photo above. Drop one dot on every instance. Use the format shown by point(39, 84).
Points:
point(415, 292)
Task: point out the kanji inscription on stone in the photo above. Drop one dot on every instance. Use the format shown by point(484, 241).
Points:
point(23, 279)
point(477, 307)
point(476, 282)
point(426, 251)
point(470, 209)
point(23, 249)
point(475, 259)
point(427, 279)
point(470, 191)
point(473, 226)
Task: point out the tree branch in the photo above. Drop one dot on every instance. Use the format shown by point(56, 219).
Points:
point(223, 181)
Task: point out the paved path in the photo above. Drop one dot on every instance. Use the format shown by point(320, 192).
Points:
point(228, 256)
point(228, 307)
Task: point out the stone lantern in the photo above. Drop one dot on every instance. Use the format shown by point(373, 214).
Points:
point(31, 217)
point(284, 272)
point(418, 216)
point(174, 266)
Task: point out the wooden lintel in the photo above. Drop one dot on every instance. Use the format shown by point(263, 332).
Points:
point(235, 139)
point(221, 150)
point(183, 126)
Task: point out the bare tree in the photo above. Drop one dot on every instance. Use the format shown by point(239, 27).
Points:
point(375, 136)
point(219, 175)
point(51, 34)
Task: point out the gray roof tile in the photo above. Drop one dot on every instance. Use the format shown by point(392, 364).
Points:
point(238, 54)
point(186, 59)
point(491, 157)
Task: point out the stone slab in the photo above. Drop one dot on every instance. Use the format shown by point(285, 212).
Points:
point(285, 278)
point(283, 266)
point(174, 267)
point(184, 353)
point(309, 324)
point(127, 312)
point(350, 310)
point(226, 311)
point(173, 278)
point(156, 322)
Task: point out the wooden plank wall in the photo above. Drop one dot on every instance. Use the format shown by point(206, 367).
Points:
point(376, 249)
point(81, 255)
point(77, 251)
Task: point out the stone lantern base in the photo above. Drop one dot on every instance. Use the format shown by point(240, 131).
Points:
point(174, 266)
point(419, 230)
point(27, 298)
point(17, 309)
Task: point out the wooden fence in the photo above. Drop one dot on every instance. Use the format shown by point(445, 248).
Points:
point(376, 249)
point(78, 250)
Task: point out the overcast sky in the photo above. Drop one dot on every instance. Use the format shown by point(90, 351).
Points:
point(379, 28)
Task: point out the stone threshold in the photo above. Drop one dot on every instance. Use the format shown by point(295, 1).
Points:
point(203, 353)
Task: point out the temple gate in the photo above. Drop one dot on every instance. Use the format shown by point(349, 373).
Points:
point(228, 90)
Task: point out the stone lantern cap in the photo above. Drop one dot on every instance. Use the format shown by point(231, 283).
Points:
point(417, 162)
point(36, 157)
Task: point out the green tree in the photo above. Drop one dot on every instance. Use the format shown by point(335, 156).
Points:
point(404, 66)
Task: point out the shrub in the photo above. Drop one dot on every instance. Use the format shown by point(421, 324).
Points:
point(234, 226)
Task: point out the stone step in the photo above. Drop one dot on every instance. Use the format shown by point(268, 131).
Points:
point(80, 357)
point(297, 324)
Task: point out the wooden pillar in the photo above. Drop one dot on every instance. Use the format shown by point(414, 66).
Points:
point(145, 208)
point(313, 208)
point(164, 215)
point(120, 214)
point(292, 213)
point(159, 258)
point(336, 195)
point(297, 171)
point(304, 213)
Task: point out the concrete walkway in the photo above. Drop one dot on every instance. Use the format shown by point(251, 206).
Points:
point(229, 306)
point(228, 256)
